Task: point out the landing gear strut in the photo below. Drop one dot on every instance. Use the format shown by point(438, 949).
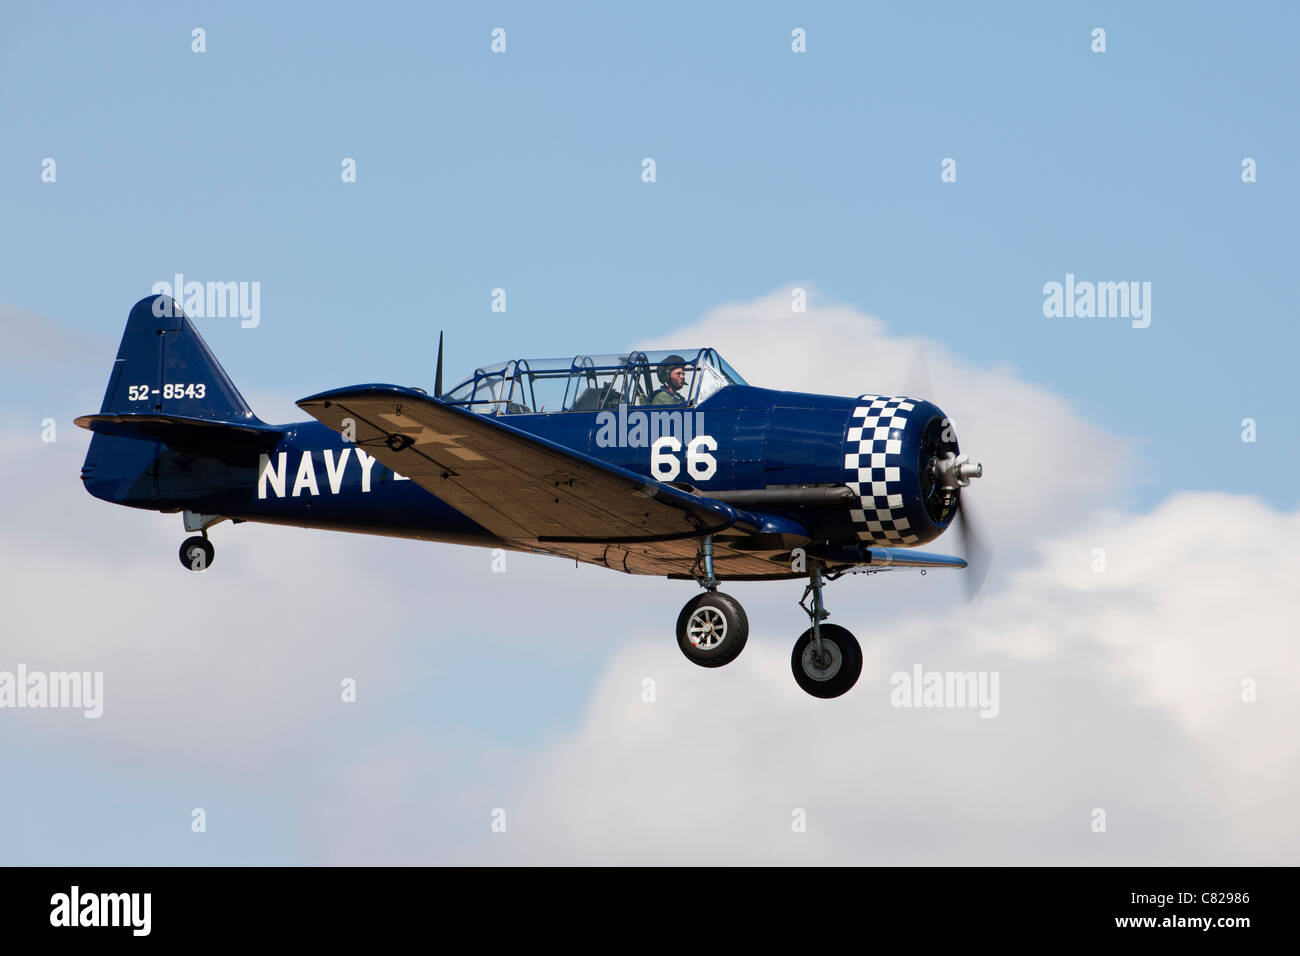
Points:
point(712, 628)
point(827, 659)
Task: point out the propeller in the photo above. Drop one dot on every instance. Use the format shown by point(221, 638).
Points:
point(437, 378)
point(917, 384)
point(978, 557)
point(953, 474)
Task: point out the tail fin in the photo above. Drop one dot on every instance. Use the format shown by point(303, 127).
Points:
point(163, 366)
point(166, 390)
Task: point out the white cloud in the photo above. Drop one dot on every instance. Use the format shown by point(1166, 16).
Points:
point(227, 665)
point(1119, 690)
point(1130, 701)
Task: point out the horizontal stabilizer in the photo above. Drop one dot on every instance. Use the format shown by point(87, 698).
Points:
point(184, 433)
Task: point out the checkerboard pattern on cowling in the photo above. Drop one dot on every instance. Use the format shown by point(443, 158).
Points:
point(873, 457)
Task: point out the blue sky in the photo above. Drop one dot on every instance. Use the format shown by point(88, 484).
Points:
point(523, 171)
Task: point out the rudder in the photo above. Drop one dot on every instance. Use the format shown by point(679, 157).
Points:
point(164, 366)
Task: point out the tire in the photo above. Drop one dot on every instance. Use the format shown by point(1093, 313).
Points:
point(840, 673)
point(196, 553)
point(712, 629)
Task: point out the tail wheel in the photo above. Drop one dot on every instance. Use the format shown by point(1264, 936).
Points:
point(832, 672)
point(712, 629)
point(197, 553)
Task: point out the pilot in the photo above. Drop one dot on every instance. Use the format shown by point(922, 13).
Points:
point(672, 375)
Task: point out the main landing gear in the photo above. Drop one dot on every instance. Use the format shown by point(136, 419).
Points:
point(197, 551)
point(712, 630)
point(827, 659)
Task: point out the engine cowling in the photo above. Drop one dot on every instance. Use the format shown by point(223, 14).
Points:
point(904, 465)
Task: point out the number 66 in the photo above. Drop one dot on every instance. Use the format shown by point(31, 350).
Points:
point(700, 465)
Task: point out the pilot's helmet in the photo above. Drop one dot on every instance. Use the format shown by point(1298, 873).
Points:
point(668, 364)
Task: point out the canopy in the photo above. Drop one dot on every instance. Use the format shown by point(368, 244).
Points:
point(590, 382)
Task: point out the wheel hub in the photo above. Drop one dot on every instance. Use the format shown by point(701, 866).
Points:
point(707, 628)
point(823, 666)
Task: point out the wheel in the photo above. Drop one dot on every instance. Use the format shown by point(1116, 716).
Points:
point(839, 667)
point(197, 553)
point(712, 629)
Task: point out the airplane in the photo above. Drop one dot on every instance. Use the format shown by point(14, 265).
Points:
point(649, 462)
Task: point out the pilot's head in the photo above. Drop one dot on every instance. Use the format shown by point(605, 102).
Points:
point(671, 372)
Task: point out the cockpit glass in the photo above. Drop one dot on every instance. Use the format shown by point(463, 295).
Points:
point(710, 381)
point(461, 393)
point(544, 391)
point(594, 382)
point(492, 391)
point(729, 373)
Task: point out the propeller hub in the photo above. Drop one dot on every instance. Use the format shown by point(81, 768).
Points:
point(953, 471)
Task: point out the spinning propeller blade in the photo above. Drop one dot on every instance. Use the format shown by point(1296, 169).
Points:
point(979, 557)
point(975, 551)
point(917, 384)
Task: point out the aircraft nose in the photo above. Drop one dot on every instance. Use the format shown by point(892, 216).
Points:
point(880, 471)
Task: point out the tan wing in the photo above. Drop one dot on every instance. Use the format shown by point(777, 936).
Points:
point(517, 485)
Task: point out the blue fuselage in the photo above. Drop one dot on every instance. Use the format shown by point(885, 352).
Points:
point(740, 438)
